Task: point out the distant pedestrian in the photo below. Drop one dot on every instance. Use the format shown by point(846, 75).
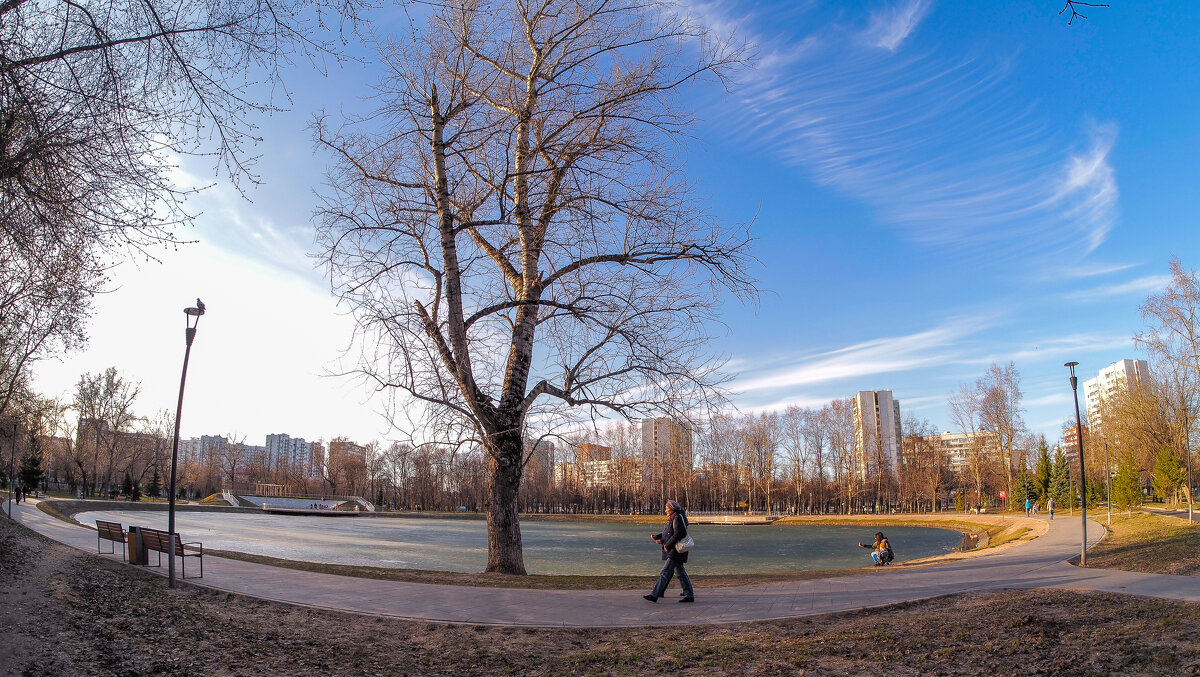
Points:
point(675, 531)
point(1050, 507)
point(1028, 507)
point(882, 553)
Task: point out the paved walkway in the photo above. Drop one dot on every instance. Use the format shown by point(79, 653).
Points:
point(1037, 564)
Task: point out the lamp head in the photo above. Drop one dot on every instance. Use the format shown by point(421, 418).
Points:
point(192, 318)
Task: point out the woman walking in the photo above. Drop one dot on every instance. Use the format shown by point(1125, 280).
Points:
point(673, 560)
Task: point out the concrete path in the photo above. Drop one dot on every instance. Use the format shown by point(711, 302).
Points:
point(1038, 564)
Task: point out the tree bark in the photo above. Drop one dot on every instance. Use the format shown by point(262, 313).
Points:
point(505, 552)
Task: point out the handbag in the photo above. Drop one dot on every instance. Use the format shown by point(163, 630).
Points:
point(684, 544)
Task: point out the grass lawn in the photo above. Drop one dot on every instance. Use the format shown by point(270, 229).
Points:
point(1150, 544)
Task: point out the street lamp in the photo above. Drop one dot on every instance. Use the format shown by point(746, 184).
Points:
point(192, 318)
point(12, 468)
point(1082, 474)
point(1108, 471)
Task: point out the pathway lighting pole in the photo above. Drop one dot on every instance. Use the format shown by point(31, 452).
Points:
point(12, 468)
point(1108, 469)
point(191, 318)
point(1082, 475)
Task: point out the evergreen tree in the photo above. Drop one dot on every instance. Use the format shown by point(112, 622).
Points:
point(154, 488)
point(31, 473)
point(1127, 483)
point(1041, 473)
point(1024, 487)
point(127, 485)
point(1168, 474)
point(1060, 480)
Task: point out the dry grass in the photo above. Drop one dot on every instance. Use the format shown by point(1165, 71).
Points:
point(65, 612)
point(1150, 544)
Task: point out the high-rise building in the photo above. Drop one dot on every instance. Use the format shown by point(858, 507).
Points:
point(294, 452)
point(666, 451)
point(877, 431)
point(1117, 377)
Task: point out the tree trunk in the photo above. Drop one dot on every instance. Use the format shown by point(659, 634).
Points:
point(505, 552)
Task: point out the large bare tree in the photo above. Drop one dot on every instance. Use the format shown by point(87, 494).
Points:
point(513, 231)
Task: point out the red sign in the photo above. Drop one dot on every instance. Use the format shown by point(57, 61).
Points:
point(1003, 493)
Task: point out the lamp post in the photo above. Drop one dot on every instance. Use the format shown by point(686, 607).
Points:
point(1108, 471)
point(1082, 475)
point(12, 468)
point(191, 318)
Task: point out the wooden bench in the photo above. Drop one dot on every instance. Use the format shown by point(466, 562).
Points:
point(110, 531)
point(160, 542)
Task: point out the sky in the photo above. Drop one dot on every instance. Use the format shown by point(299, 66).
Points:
point(933, 187)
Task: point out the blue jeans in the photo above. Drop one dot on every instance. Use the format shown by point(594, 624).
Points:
point(664, 579)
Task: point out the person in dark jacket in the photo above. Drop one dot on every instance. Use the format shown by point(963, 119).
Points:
point(673, 560)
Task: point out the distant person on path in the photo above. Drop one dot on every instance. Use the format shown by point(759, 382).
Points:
point(1028, 507)
point(1050, 507)
point(882, 553)
point(674, 560)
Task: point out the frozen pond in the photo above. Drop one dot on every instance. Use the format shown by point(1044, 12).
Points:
point(580, 548)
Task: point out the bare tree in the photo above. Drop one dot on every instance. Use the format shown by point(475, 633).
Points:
point(98, 99)
point(838, 421)
point(925, 463)
point(998, 394)
point(759, 440)
point(795, 441)
point(105, 405)
point(232, 457)
point(1174, 338)
point(513, 231)
point(964, 409)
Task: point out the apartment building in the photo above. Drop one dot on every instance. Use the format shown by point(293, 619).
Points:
point(877, 433)
point(958, 447)
point(666, 451)
point(1117, 377)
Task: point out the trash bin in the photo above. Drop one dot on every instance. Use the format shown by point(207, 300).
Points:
point(137, 549)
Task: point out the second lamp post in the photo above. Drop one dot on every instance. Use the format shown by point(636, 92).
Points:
point(1082, 474)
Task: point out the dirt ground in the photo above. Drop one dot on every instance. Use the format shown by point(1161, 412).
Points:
point(66, 612)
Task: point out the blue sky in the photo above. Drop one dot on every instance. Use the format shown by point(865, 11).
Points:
point(934, 186)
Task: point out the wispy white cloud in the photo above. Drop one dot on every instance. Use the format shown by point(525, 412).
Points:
point(945, 146)
point(1090, 269)
point(889, 26)
point(1061, 398)
point(1141, 285)
point(1056, 347)
point(1088, 186)
point(873, 358)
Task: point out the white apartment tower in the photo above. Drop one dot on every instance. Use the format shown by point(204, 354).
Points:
point(877, 431)
point(1115, 378)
